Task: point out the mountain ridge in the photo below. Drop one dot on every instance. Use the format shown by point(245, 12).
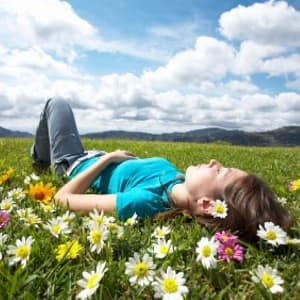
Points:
point(283, 136)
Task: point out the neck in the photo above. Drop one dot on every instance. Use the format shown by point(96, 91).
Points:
point(179, 196)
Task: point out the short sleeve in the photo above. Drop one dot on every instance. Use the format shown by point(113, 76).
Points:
point(141, 202)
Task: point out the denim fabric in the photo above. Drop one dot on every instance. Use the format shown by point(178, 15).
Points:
point(57, 140)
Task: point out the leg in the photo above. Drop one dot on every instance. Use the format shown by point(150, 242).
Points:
point(57, 139)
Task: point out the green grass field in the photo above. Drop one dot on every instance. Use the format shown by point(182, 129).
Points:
point(45, 278)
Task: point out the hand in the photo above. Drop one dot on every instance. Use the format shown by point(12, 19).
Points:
point(119, 155)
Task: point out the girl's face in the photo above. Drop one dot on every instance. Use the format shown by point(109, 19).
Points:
point(210, 180)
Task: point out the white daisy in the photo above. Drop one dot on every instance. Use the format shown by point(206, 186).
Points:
point(162, 247)
point(96, 219)
point(3, 238)
point(21, 251)
point(47, 208)
point(219, 209)
point(30, 178)
point(97, 236)
point(132, 220)
point(161, 232)
point(269, 278)
point(90, 281)
point(272, 233)
point(282, 200)
point(57, 226)
point(115, 228)
point(170, 285)
point(207, 250)
point(140, 270)
point(68, 216)
point(24, 212)
point(7, 204)
point(16, 194)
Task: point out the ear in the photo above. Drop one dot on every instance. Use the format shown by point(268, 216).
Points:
point(204, 205)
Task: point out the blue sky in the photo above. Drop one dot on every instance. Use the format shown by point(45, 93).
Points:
point(153, 66)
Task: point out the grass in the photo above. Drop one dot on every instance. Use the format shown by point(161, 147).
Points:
point(46, 278)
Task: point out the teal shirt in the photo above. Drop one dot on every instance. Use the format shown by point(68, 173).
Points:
point(137, 183)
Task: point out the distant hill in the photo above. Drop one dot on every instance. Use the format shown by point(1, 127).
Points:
point(284, 136)
point(10, 133)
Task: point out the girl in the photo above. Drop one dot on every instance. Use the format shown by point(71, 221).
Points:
point(149, 186)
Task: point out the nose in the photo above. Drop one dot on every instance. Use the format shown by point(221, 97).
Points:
point(214, 162)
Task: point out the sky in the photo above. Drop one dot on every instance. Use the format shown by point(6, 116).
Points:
point(152, 66)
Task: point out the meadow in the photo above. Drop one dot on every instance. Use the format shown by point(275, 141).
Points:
point(47, 275)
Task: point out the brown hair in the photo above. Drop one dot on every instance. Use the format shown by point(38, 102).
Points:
point(250, 203)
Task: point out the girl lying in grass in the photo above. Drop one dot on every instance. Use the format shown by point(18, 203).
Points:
point(218, 196)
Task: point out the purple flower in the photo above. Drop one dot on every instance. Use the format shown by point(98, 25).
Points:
point(231, 250)
point(4, 218)
point(223, 237)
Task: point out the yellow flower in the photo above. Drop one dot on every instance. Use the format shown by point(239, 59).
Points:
point(41, 192)
point(294, 185)
point(6, 175)
point(68, 250)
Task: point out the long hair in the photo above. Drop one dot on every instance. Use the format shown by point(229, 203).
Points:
point(250, 203)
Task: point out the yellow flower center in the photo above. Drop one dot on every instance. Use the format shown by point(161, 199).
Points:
point(128, 221)
point(56, 228)
point(163, 249)
point(206, 251)
point(32, 220)
point(6, 206)
point(229, 251)
point(271, 235)
point(140, 269)
point(93, 280)
point(96, 236)
point(267, 280)
point(161, 233)
point(22, 251)
point(113, 226)
point(99, 220)
point(219, 209)
point(170, 285)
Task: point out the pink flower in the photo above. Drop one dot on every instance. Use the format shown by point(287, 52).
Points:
point(223, 237)
point(231, 250)
point(4, 218)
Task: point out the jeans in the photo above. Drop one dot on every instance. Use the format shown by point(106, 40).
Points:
point(57, 140)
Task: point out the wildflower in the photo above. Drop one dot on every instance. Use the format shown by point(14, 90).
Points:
point(115, 228)
point(97, 236)
point(132, 220)
point(47, 208)
point(269, 278)
point(21, 251)
point(206, 250)
point(161, 248)
point(140, 270)
point(16, 194)
point(68, 250)
point(230, 250)
point(170, 285)
point(282, 200)
point(97, 219)
point(4, 218)
point(294, 185)
point(41, 192)
point(31, 178)
point(161, 232)
point(57, 226)
point(223, 236)
point(3, 238)
point(6, 175)
point(272, 233)
point(219, 209)
point(68, 217)
point(90, 281)
point(7, 204)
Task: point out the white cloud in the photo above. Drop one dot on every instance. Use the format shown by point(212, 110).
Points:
point(241, 87)
point(209, 60)
point(272, 23)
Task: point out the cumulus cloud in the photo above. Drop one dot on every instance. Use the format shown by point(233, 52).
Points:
point(271, 23)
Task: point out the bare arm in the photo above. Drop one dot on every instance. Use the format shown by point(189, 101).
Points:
point(72, 193)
